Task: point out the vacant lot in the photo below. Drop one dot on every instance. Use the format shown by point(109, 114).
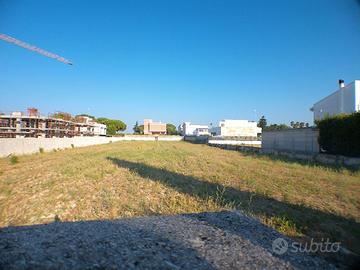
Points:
point(127, 179)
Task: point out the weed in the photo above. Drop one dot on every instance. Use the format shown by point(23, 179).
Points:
point(41, 150)
point(283, 224)
point(250, 200)
point(14, 159)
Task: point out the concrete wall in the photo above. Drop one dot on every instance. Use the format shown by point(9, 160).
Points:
point(320, 158)
point(170, 138)
point(233, 142)
point(217, 141)
point(196, 139)
point(20, 146)
point(241, 148)
point(302, 140)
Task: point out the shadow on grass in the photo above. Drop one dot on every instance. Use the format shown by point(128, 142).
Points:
point(282, 215)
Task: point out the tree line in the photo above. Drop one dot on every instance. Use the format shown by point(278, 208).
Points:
point(262, 123)
point(113, 126)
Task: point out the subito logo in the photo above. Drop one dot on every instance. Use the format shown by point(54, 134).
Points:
point(279, 246)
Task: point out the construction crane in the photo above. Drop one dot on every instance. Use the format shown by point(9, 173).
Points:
point(34, 49)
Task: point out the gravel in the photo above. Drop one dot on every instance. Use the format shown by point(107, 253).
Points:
point(224, 240)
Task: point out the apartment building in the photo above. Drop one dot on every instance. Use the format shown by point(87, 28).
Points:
point(188, 129)
point(33, 124)
point(346, 99)
point(88, 126)
point(154, 128)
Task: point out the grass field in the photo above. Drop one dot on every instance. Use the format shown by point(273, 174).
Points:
point(128, 179)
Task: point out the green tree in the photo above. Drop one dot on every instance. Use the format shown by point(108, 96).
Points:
point(136, 128)
point(86, 115)
point(274, 127)
point(171, 129)
point(113, 126)
point(262, 122)
point(62, 115)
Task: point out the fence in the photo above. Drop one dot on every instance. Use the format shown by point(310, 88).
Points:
point(301, 140)
point(20, 146)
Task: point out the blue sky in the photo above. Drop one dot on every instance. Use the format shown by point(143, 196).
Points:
point(174, 61)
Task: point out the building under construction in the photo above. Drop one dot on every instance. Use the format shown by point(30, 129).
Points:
point(32, 124)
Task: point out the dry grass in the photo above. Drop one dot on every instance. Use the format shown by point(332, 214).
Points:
point(127, 179)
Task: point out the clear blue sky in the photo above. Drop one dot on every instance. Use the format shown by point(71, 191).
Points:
point(199, 61)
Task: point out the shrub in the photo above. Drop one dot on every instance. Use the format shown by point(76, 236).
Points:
point(340, 134)
point(57, 219)
point(41, 150)
point(72, 145)
point(14, 159)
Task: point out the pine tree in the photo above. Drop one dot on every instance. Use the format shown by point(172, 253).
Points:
point(262, 122)
point(136, 128)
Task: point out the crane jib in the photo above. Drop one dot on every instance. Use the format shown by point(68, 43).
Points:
point(34, 49)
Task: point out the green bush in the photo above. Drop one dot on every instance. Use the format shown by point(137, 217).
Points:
point(41, 150)
point(14, 159)
point(340, 134)
point(171, 129)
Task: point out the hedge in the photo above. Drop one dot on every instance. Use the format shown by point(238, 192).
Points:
point(340, 134)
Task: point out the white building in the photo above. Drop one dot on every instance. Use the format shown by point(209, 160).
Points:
point(188, 129)
point(99, 129)
point(344, 100)
point(89, 126)
point(236, 128)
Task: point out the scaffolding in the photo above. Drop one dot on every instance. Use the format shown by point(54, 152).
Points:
point(32, 124)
